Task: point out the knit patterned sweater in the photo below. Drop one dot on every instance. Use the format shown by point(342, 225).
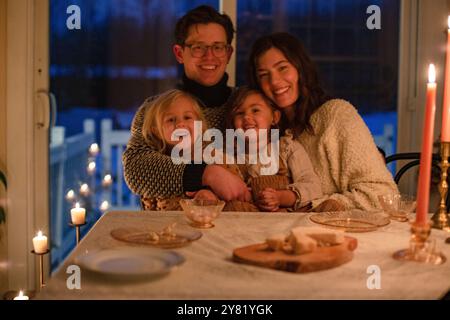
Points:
point(345, 157)
point(150, 173)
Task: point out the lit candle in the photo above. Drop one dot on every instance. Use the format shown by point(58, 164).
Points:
point(21, 296)
point(445, 130)
point(70, 195)
point(91, 167)
point(104, 206)
point(78, 214)
point(93, 149)
point(423, 187)
point(40, 243)
point(107, 180)
point(84, 189)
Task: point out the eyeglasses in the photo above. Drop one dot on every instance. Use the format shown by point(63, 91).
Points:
point(219, 50)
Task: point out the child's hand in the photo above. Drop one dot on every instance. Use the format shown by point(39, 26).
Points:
point(205, 194)
point(268, 200)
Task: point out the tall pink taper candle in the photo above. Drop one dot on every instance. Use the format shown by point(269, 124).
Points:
point(445, 130)
point(423, 187)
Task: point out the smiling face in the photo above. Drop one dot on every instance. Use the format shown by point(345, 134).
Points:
point(179, 115)
point(255, 113)
point(278, 79)
point(208, 69)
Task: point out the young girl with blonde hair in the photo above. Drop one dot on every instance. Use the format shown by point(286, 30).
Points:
point(171, 111)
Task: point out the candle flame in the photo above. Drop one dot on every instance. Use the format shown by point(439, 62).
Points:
point(20, 293)
point(77, 205)
point(104, 206)
point(70, 194)
point(431, 74)
point(93, 149)
point(448, 22)
point(107, 177)
point(39, 234)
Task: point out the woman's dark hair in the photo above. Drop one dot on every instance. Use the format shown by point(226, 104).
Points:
point(311, 94)
point(237, 99)
point(202, 15)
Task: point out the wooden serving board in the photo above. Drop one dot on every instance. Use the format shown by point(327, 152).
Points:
point(320, 259)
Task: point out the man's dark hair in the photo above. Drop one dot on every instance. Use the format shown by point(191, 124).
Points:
point(202, 15)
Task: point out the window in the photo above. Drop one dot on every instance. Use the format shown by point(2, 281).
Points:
point(355, 63)
point(99, 75)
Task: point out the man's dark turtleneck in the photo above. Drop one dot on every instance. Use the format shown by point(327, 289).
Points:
point(213, 96)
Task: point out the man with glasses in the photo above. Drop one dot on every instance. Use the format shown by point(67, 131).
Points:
point(203, 46)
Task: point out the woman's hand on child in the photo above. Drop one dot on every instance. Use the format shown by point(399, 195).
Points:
point(268, 200)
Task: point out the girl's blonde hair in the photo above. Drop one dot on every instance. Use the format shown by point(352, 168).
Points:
point(152, 128)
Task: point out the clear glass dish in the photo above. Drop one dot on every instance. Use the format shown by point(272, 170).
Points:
point(397, 206)
point(167, 238)
point(201, 213)
point(352, 221)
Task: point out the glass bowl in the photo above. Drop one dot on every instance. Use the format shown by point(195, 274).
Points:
point(201, 213)
point(352, 221)
point(397, 206)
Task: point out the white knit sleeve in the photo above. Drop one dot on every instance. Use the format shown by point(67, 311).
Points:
point(305, 182)
point(356, 166)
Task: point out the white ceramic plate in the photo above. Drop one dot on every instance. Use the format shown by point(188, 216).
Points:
point(130, 262)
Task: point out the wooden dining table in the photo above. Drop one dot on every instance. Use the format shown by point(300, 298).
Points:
point(209, 272)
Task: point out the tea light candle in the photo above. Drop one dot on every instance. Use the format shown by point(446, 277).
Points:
point(107, 180)
point(91, 167)
point(104, 206)
point(84, 189)
point(40, 243)
point(70, 195)
point(78, 214)
point(94, 149)
point(21, 296)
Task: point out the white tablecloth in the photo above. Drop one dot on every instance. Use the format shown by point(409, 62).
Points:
point(209, 272)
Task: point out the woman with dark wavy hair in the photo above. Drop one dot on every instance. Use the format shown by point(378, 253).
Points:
point(335, 137)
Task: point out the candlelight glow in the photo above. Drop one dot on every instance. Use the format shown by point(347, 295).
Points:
point(40, 243)
point(84, 189)
point(104, 206)
point(70, 195)
point(91, 167)
point(107, 180)
point(448, 22)
point(78, 215)
point(431, 74)
point(94, 149)
point(21, 296)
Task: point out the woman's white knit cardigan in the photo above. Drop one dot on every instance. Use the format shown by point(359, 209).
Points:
point(345, 157)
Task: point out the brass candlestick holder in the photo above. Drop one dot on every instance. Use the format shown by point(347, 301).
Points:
point(440, 219)
point(420, 248)
point(41, 266)
point(77, 230)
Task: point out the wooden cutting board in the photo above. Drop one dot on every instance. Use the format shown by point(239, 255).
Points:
point(320, 259)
